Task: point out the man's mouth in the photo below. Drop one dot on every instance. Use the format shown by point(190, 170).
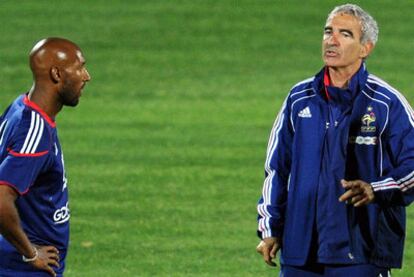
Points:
point(331, 53)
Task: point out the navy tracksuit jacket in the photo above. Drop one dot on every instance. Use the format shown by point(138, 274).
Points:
point(363, 132)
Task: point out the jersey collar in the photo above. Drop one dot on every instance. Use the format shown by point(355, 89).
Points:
point(35, 107)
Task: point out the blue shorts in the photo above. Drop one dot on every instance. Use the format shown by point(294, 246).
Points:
point(319, 270)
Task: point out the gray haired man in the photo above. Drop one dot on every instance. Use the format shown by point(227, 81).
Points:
point(339, 169)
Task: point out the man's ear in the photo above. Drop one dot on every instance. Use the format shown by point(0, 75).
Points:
point(55, 74)
point(366, 49)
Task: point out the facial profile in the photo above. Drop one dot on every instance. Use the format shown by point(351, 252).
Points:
point(74, 78)
point(60, 62)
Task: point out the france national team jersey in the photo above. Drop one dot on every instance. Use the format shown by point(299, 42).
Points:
point(31, 162)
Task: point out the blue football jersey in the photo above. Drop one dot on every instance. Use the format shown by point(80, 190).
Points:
point(31, 162)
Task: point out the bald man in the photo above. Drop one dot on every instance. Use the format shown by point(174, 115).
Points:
point(34, 206)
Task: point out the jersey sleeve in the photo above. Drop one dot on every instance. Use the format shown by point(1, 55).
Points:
point(27, 153)
point(272, 203)
point(396, 187)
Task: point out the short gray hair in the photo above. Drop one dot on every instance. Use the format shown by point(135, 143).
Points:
point(369, 27)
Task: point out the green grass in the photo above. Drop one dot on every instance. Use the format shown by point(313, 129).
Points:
point(165, 152)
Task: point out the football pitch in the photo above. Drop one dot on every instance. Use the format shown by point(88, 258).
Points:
point(165, 152)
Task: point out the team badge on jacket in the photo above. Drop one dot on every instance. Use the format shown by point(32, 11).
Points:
point(367, 119)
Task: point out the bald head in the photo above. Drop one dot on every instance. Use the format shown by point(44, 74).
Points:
point(53, 52)
point(59, 71)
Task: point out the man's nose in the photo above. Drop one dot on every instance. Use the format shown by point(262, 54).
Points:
point(333, 39)
point(87, 76)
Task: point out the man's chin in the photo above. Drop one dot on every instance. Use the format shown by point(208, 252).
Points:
point(72, 103)
point(331, 61)
point(332, 65)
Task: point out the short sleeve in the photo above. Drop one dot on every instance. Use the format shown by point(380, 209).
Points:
point(27, 153)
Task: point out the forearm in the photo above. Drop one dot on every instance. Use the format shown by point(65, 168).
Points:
point(11, 229)
point(272, 206)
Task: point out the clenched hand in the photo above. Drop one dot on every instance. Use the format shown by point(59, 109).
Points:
point(268, 248)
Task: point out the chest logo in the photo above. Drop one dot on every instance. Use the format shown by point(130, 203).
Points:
point(363, 140)
point(367, 120)
point(306, 113)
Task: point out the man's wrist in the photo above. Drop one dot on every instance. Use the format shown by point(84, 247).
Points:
point(33, 258)
point(271, 234)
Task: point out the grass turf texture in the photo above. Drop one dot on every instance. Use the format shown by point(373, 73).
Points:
point(165, 152)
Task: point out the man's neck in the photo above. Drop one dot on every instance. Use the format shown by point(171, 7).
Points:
point(340, 77)
point(45, 100)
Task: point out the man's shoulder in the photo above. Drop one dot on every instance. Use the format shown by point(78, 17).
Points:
point(381, 90)
point(12, 117)
point(18, 117)
point(23, 116)
point(27, 132)
point(302, 88)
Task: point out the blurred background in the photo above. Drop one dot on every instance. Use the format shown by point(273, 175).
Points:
point(165, 152)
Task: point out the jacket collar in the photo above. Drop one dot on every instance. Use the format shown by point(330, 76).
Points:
point(356, 83)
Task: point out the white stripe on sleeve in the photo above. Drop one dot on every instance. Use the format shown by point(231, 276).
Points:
point(3, 130)
point(34, 135)
point(39, 136)
point(29, 134)
point(264, 225)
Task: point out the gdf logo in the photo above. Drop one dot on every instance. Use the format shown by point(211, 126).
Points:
point(62, 215)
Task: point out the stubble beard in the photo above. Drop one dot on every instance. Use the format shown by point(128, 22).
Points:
point(68, 96)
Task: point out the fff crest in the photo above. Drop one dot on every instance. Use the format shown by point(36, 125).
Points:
point(368, 119)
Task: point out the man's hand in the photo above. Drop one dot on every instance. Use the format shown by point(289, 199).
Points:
point(10, 229)
point(358, 193)
point(268, 248)
point(47, 256)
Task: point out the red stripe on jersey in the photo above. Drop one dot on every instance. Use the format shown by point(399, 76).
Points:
point(35, 107)
point(17, 154)
point(4, 183)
